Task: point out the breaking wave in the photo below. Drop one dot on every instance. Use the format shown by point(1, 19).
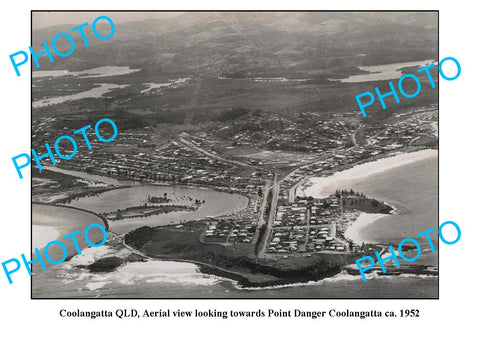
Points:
point(342, 276)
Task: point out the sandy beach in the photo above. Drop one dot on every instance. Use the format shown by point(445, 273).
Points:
point(320, 187)
point(325, 186)
point(354, 231)
point(41, 235)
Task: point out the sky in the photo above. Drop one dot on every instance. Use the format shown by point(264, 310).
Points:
point(45, 19)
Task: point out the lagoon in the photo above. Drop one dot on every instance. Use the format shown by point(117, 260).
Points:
point(98, 72)
point(96, 92)
point(383, 72)
point(217, 203)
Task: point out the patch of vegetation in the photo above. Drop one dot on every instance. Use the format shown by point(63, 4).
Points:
point(233, 113)
point(183, 245)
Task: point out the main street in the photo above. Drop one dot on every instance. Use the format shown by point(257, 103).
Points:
point(191, 145)
point(271, 216)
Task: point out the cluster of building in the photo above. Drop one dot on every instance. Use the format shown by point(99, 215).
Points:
point(134, 155)
point(303, 132)
point(417, 131)
point(239, 227)
point(330, 163)
point(415, 128)
point(288, 240)
point(311, 133)
point(230, 231)
point(320, 239)
point(307, 226)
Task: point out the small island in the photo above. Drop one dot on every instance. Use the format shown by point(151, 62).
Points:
point(146, 210)
point(153, 205)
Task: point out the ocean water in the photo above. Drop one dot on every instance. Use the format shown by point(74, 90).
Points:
point(415, 197)
point(167, 279)
point(412, 188)
point(65, 221)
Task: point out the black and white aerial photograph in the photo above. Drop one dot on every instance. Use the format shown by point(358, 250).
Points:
point(241, 166)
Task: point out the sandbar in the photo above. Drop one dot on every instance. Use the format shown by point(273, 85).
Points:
point(41, 235)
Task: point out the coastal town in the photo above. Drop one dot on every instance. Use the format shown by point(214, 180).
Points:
point(226, 153)
point(279, 220)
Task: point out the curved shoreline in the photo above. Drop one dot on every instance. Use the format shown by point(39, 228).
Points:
point(319, 187)
point(241, 282)
point(322, 186)
point(42, 234)
point(142, 184)
point(353, 231)
point(104, 220)
point(134, 182)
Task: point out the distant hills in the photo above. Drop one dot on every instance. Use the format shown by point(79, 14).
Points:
point(255, 43)
point(264, 63)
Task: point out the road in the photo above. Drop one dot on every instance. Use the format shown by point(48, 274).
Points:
point(261, 213)
point(191, 145)
point(271, 216)
point(292, 193)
